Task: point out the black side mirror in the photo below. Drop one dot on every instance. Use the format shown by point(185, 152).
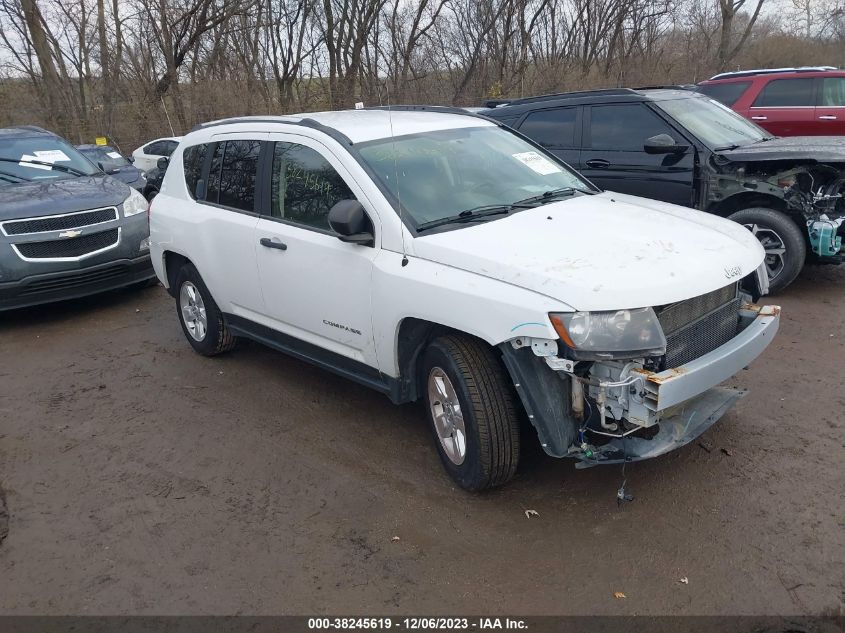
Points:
point(131, 159)
point(162, 163)
point(349, 220)
point(663, 144)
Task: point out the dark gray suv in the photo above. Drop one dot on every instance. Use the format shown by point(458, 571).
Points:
point(66, 229)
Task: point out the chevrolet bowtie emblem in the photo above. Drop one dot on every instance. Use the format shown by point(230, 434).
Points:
point(70, 233)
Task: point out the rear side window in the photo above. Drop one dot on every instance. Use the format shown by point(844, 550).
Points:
point(727, 93)
point(625, 128)
point(168, 147)
point(193, 159)
point(237, 174)
point(786, 93)
point(833, 92)
point(551, 128)
point(305, 186)
point(231, 177)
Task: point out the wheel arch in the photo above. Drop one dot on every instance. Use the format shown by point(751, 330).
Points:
point(747, 200)
point(172, 262)
point(413, 335)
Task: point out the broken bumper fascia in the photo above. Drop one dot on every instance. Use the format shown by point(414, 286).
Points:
point(687, 397)
point(672, 387)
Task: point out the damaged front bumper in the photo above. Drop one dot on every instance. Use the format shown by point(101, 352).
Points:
point(674, 406)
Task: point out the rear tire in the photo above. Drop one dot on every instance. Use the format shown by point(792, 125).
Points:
point(472, 412)
point(201, 319)
point(785, 246)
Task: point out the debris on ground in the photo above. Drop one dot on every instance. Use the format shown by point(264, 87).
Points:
point(531, 513)
point(684, 580)
point(619, 595)
point(395, 539)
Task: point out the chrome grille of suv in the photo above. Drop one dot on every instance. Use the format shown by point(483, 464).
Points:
point(69, 247)
point(699, 325)
point(60, 222)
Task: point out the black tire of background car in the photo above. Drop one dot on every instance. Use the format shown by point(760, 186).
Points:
point(218, 339)
point(487, 403)
point(793, 240)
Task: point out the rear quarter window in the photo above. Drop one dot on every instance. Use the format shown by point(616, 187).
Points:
point(193, 159)
point(727, 93)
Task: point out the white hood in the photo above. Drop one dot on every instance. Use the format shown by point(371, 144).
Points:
point(603, 252)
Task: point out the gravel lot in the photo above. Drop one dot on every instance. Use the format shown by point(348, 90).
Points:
point(142, 478)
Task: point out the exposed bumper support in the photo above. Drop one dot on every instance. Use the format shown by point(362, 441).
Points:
point(695, 417)
point(672, 387)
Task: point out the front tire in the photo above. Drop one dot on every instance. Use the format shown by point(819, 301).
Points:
point(201, 319)
point(472, 412)
point(782, 240)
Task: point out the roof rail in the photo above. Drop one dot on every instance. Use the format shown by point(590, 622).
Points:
point(570, 95)
point(769, 71)
point(689, 87)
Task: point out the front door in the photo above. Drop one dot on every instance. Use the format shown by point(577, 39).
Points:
point(614, 157)
point(316, 288)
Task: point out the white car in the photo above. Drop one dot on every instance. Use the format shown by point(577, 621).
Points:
point(146, 157)
point(433, 255)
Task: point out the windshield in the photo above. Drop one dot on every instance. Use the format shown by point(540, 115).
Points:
point(105, 155)
point(40, 158)
point(441, 174)
point(715, 125)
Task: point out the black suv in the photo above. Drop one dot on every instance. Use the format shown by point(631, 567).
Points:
point(681, 147)
point(66, 228)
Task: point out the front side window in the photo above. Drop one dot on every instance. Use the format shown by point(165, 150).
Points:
point(712, 123)
point(833, 92)
point(727, 93)
point(304, 186)
point(780, 93)
point(436, 175)
point(155, 148)
point(625, 127)
point(551, 128)
point(168, 147)
point(193, 159)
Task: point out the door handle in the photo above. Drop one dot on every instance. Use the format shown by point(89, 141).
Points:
point(759, 118)
point(827, 117)
point(271, 243)
point(597, 163)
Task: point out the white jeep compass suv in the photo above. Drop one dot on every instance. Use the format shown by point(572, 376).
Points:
point(432, 254)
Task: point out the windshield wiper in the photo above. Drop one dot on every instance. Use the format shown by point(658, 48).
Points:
point(64, 168)
point(7, 174)
point(470, 215)
point(551, 195)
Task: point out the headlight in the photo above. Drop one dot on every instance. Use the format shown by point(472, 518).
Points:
point(615, 334)
point(134, 204)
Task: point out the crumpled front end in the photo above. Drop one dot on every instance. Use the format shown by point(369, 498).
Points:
point(609, 411)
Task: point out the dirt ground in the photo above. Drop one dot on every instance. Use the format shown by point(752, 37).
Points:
point(142, 478)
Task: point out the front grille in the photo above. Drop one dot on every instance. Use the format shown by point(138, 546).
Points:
point(60, 222)
point(699, 325)
point(75, 280)
point(69, 247)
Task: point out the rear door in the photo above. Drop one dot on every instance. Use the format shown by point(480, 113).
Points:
point(224, 222)
point(316, 288)
point(787, 107)
point(614, 158)
point(830, 111)
point(556, 129)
